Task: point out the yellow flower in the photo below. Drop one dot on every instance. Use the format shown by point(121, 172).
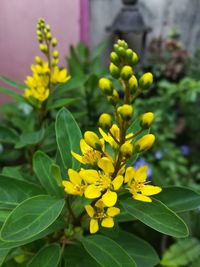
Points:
point(137, 185)
point(98, 214)
point(59, 76)
point(76, 185)
point(89, 155)
point(102, 184)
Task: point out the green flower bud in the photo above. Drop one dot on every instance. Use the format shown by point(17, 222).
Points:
point(126, 72)
point(105, 120)
point(114, 58)
point(43, 48)
point(134, 59)
point(129, 55)
point(122, 43)
point(48, 35)
point(114, 70)
point(121, 52)
point(114, 98)
point(38, 60)
point(54, 42)
point(146, 81)
point(126, 111)
point(133, 84)
point(106, 86)
point(55, 54)
point(126, 150)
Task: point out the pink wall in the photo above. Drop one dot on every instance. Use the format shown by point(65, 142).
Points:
point(18, 42)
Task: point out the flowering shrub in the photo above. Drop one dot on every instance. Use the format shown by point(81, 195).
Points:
point(54, 201)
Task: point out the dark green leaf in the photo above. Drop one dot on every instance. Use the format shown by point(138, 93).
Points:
point(31, 217)
point(48, 256)
point(42, 165)
point(157, 216)
point(62, 103)
point(13, 83)
point(11, 93)
point(107, 252)
point(3, 254)
point(30, 138)
point(8, 135)
point(68, 137)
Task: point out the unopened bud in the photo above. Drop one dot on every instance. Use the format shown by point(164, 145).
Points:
point(134, 59)
point(54, 42)
point(146, 81)
point(48, 35)
point(114, 98)
point(145, 143)
point(122, 43)
point(114, 58)
point(126, 72)
point(105, 120)
point(38, 60)
point(43, 48)
point(126, 111)
point(106, 86)
point(92, 140)
point(146, 120)
point(133, 84)
point(114, 71)
point(126, 150)
point(129, 55)
point(55, 54)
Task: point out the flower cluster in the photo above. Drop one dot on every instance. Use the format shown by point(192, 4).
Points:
point(45, 74)
point(106, 156)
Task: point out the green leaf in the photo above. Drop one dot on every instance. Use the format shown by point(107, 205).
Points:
point(42, 165)
point(13, 83)
point(68, 137)
point(8, 135)
point(48, 256)
point(157, 216)
point(11, 93)
point(179, 198)
point(30, 138)
point(142, 253)
point(61, 103)
point(3, 254)
point(56, 226)
point(13, 172)
point(107, 252)
point(31, 217)
point(182, 253)
point(3, 215)
point(76, 256)
point(56, 173)
point(14, 191)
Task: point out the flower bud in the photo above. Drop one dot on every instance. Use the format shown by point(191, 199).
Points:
point(55, 54)
point(126, 150)
point(121, 52)
point(54, 42)
point(126, 72)
point(43, 48)
point(114, 71)
point(146, 81)
point(114, 58)
point(40, 39)
point(92, 140)
point(114, 98)
point(133, 84)
point(106, 86)
point(39, 33)
point(38, 60)
point(126, 111)
point(48, 35)
point(105, 120)
point(146, 120)
point(122, 43)
point(134, 59)
point(145, 143)
point(129, 55)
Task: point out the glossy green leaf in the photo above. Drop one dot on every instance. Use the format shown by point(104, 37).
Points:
point(179, 198)
point(61, 103)
point(3, 254)
point(31, 217)
point(14, 191)
point(13, 83)
point(107, 252)
point(8, 135)
point(56, 226)
point(42, 165)
point(11, 93)
point(157, 216)
point(68, 137)
point(30, 138)
point(4, 214)
point(13, 172)
point(76, 256)
point(142, 253)
point(48, 256)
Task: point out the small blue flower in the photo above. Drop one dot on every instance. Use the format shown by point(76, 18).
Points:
point(159, 154)
point(141, 162)
point(185, 150)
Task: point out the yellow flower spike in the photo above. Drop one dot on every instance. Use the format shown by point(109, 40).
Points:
point(146, 120)
point(146, 81)
point(90, 211)
point(126, 150)
point(129, 174)
point(93, 140)
point(126, 111)
point(109, 198)
point(106, 86)
point(106, 165)
point(145, 142)
point(94, 226)
point(105, 120)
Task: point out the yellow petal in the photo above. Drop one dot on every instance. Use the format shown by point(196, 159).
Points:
point(113, 211)
point(141, 197)
point(149, 190)
point(94, 227)
point(130, 172)
point(74, 177)
point(104, 135)
point(92, 192)
point(84, 146)
point(141, 174)
point(90, 176)
point(106, 165)
point(69, 187)
point(107, 222)
point(109, 198)
point(99, 204)
point(78, 157)
point(117, 182)
point(90, 210)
